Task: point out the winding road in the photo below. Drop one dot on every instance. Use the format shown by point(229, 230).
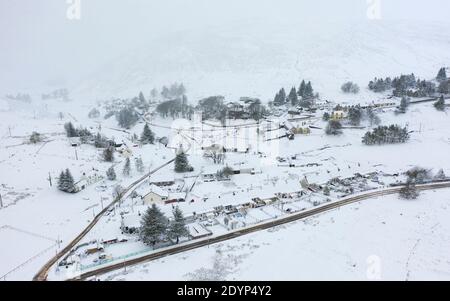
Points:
point(42, 275)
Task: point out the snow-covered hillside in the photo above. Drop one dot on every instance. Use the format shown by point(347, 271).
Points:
point(259, 57)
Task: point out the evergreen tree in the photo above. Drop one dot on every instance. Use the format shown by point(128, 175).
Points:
point(372, 117)
point(386, 135)
point(66, 182)
point(139, 165)
point(301, 89)
point(177, 227)
point(108, 154)
point(154, 93)
point(355, 115)
point(442, 75)
point(280, 98)
point(127, 117)
point(35, 138)
point(70, 183)
point(111, 174)
point(94, 113)
point(147, 135)
point(293, 98)
point(334, 127)
point(70, 130)
point(153, 226)
point(326, 116)
point(62, 181)
point(440, 104)
point(100, 141)
point(309, 91)
point(444, 87)
point(404, 104)
point(326, 191)
point(127, 168)
point(142, 97)
point(350, 87)
point(181, 163)
point(409, 191)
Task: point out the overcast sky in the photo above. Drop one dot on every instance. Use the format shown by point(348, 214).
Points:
point(39, 44)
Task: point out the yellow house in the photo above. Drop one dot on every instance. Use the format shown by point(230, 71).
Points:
point(338, 115)
point(300, 130)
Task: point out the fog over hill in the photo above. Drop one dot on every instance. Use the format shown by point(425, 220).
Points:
point(233, 48)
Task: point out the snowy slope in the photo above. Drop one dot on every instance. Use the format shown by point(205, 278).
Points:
point(394, 240)
point(257, 58)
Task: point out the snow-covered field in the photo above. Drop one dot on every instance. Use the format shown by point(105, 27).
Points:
point(253, 53)
point(393, 239)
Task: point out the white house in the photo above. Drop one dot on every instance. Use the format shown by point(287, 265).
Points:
point(155, 195)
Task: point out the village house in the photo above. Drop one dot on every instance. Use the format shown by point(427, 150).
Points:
point(301, 130)
point(162, 179)
point(155, 195)
point(86, 181)
point(338, 115)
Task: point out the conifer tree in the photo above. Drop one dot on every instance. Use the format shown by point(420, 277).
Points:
point(440, 104)
point(177, 227)
point(301, 89)
point(127, 167)
point(153, 226)
point(293, 98)
point(111, 174)
point(181, 163)
point(147, 135)
point(139, 165)
point(108, 154)
point(442, 75)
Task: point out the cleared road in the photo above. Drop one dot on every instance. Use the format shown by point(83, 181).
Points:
point(263, 226)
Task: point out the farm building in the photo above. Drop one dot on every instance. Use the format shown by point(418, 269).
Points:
point(85, 181)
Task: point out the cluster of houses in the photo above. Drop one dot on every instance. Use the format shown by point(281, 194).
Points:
point(241, 109)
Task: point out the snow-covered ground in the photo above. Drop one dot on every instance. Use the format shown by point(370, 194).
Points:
point(393, 239)
point(253, 53)
point(32, 206)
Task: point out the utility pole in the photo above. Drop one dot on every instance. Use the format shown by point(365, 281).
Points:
point(9, 129)
point(1, 201)
point(49, 179)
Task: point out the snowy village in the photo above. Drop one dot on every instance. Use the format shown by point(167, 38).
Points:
point(169, 182)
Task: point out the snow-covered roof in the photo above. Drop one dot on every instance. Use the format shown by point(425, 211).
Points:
point(158, 190)
point(162, 177)
point(177, 195)
point(132, 220)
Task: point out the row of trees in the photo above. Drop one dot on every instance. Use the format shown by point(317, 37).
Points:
point(71, 131)
point(175, 108)
point(139, 164)
point(408, 85)
point(301, 97)
point(386, 135)
point(155, 227)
